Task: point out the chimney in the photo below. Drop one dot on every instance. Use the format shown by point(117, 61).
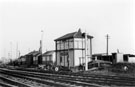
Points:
point(79, 30)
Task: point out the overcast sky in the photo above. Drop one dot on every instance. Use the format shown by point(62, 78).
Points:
point(21, 21)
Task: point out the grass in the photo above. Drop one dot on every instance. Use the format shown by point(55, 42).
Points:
point(116, 70)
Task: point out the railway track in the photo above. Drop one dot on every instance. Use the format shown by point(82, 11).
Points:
point(52, 81)
point(81, 74)
point(94, 78)
point(49, 80)
point(8, 82)
point(72, 79)
point(2, 84)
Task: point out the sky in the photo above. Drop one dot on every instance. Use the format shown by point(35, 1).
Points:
point(21, 22)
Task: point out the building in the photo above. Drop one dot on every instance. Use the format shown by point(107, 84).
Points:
point(70, 49)
point(123, 58)
point(49, 57)
point(102, 57)
point(33, 58)
point(129, 58)
point(22, 60)
point(120, 58)
point(117, 57)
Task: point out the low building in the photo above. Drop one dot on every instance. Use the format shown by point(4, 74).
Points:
point(129, 58)
point(49, 57)
point(117, 57)
point(33, 58)
point(22, 60)
point(102, 57)
point(123, 58)
point(70, 49)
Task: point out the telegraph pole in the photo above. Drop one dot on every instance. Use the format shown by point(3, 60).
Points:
point(107, 37)
point(19, 53)
point(8, 55)
point(86, 63)
point(17, 50)
point(11, 50)
point(41, 40)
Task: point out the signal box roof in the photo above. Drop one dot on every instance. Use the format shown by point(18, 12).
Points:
point(78, 34)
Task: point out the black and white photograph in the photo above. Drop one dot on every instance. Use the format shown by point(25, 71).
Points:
point(67, 43)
